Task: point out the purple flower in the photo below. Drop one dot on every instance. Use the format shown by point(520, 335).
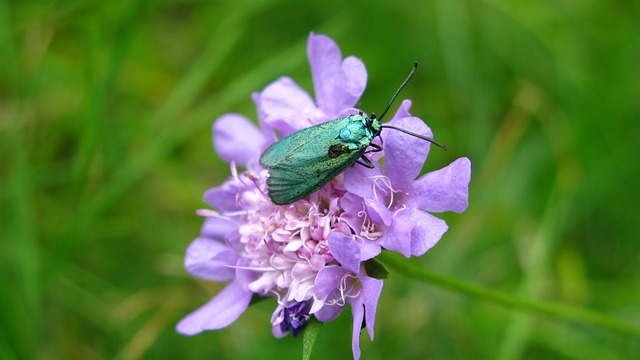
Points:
point(309, 255)
point(391, 209)
point(347, 283)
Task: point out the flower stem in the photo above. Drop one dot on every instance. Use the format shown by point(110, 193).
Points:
point(309, 337)
point(410, 270)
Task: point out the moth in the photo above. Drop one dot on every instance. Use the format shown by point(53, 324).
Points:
point(304, 161)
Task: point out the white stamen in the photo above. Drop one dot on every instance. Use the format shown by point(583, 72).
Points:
point(404, 207)
point(384, 184)
point(345, 293)
point(234, 171)
point(252, 268)
point(209, 213)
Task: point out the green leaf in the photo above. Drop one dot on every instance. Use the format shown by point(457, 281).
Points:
point(376, 270)
point(309, 337)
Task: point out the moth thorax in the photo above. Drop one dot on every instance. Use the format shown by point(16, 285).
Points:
point(355, 130)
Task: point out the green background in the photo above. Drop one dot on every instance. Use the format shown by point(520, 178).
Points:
point(105, 151)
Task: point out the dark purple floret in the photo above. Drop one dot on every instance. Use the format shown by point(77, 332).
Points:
point(294, 317)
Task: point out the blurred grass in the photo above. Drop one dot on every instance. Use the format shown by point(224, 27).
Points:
point(105, 151)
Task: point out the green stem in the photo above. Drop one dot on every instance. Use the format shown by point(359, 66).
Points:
point(309, 337)
point(410, 270)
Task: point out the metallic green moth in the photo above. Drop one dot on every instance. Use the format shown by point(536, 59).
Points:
point(306, 160)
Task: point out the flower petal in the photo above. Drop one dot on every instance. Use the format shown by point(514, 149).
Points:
point(235, 138)
point(354, 216)
point(353, 207)
point(404, 154)
point(211, 260)
point(267, 131)
point(358, 179)
point(402, 112)
point(223, 197)
point(338, 84)
point(277, 330)
point(357, 310)
point(446, 189)
point(348, 111)
point(326, 283)
point(349, 86)
point(426, 233)
point(217, 228)
point(397, 237)
point(324, 58)
point(327, 280)
point(371, 290)
point(286, 106)
point(220, 312)
point(369, 249)
point(245, 274)
point(378, 211)
point(345, 250)
point(328, 313)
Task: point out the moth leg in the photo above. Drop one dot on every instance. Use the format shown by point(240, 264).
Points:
point(366, 162)
point(376, 148)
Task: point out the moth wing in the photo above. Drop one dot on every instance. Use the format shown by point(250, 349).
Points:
point(288, 182)
point(302, 142)
point(299, 164)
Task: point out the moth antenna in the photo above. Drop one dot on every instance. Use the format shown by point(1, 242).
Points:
point(413, 71)
point(416, 135)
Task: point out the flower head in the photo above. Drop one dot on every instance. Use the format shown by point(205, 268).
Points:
point(309, 255)
point(392, 207)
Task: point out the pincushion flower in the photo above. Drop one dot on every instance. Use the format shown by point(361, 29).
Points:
point(310, 255)
point(393, 208)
